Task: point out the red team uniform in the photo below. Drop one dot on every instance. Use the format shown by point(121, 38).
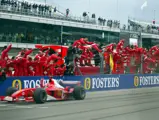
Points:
point(45, 64)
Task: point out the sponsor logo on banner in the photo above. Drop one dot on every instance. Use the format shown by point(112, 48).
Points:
point(87, 83)
point(17, 84)
point(136, 81)
point(34, 83)
point(106, 82)
point(146, 80)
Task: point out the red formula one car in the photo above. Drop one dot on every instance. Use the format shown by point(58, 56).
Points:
point(54, 90)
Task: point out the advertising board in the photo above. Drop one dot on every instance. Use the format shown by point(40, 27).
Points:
point(90, 83)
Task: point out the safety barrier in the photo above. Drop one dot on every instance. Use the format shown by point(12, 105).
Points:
point(90, 83)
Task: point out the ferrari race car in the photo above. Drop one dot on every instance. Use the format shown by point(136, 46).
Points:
point(54, 90)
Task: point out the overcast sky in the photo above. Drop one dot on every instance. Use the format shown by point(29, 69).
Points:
point(111, 9)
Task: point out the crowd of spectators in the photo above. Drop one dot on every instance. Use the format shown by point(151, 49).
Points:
point(27, 8)
point(110, 23)
point(140, 26)
point(28, 38)
point(45, 10)
point(15, 31)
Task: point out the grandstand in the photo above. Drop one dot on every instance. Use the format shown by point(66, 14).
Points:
point(148, 30)
point(22, 24)
point(40, 9)
point(143, 26)
point(38, 23)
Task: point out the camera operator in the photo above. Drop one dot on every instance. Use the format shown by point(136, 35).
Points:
point(69, 69)
point(2, 75)
point(70, 54)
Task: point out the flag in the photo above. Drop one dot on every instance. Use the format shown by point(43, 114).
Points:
point(144, 5)
point(111, 62)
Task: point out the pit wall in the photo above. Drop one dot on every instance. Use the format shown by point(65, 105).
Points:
point(90, 83)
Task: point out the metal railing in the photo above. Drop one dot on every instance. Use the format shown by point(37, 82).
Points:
point(45, 14)
point(104, 68)
point(53, 15)
point(134, 29)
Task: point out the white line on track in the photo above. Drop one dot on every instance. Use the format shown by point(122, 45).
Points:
point(43, 107)
point(23, 107)
point(3, 105)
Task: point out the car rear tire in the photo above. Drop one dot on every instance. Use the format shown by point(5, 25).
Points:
point(79, 93)
point(11, 90)
point(40, 96)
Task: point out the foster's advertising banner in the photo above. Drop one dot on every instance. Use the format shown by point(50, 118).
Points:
point(90, 83)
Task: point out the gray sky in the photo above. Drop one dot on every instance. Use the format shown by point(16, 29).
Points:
point(111, 9)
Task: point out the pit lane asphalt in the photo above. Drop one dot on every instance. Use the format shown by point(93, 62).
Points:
point(139, 104)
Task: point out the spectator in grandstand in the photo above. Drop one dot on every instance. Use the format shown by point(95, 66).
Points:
point(26, 7)
point(84, 14)
point(148, 28)
point(35, 6)
point(67, 12)
point(93, 16)
point(124, 27)
point(116, 23)
point(50, 10)
point(100, 20)
point(55, 9)
point(109, 23)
